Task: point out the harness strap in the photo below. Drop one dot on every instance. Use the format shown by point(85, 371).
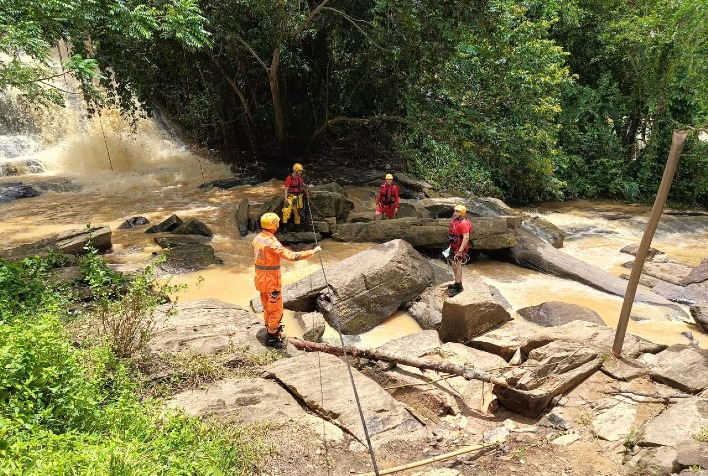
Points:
point(267, 268)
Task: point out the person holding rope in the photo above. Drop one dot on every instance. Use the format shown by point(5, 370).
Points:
point(295, 192)
point(458, 235)
point(267, 253)
point(387, 201)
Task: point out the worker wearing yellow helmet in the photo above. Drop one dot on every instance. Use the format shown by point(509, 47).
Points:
point(458, 235)
point(267, 253)
point(387, 202)
point(295, 193)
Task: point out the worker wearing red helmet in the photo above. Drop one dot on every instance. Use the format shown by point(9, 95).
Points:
point(267, 253)
point(295, 193)
point(387, 202)
point(459, 238)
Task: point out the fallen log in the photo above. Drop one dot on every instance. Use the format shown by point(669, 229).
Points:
point(469, 373)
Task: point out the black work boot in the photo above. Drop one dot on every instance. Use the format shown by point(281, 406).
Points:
point(455, 290)
point(274, 340)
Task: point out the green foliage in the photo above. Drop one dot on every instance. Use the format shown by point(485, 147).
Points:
point(76, 410)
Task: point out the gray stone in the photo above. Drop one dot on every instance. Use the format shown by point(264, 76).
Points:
point(504, 341)
point(633, 249)
point(684, 367)
point(307, 374)
point(556, 313)
point(495, 434)
point(690, 294)
point(193, 227)
point(693, 454)
point(659, 461)
point(549, 371)
point(427, 308)
point(625, 368)
point(471, 313)
point(313, 325)
point(71, 242)
point(166, 226)
point(668, 271)
point(413, 345)
point(555, 419)
point(699, 274)
point(242, 214)
point(615, 418)
point(10, 191)
point(185, 254)
point(678, 423)
point(206, 327)
point(133, 222)
point(545, 230)
point(699, 312)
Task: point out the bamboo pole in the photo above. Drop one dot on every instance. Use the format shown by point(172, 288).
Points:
point(677, 141)
point(469, 373)
point(423, 462)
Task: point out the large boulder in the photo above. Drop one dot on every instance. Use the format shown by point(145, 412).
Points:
point(677, 424)
point(307, 374)
point(505, 341)
point(71, 242)
point(186, 253)
point(668, 271)
point(193, 226)
point(699, 313)
point(690, 294)
point(699, 274)
point(13, 190)
point(242, 214)
point(680, 366)
point(366, 288)
point(545, 230)
point(557, 313)
point(133, 222)
point(549, 371)
point(471, 313)
point(488, 233)
point(166, 226)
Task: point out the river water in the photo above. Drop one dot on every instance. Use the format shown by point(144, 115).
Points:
point(114, 174)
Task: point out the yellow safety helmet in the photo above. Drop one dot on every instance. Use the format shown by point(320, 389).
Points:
point(389, 177)
point(297, 168)
point(462, 209)
point(270, 221)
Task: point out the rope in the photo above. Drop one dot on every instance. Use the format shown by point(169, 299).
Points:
point(105, 142)
point(344, 350)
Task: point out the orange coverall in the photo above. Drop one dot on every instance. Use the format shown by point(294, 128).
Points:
point(267, 252)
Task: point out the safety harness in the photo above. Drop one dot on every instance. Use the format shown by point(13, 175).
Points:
point(297, 185)
point(389, 198)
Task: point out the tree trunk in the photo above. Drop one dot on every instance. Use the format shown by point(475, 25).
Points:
point(469, 373)
point(275, 94)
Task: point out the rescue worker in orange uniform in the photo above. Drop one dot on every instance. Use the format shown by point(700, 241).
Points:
point(295, 194)
point(387, 201)
point(458, 235)
point(267, 253)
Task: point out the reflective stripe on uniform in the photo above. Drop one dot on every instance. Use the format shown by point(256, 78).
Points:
point(267, 268)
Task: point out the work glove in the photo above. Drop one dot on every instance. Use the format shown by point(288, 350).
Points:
point(317, 249)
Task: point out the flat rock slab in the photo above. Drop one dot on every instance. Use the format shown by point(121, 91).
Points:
point(615, 418)
point(309, 375)
point(699, 274)
point(589, 334)
point(413, 345)
point(681, 366)
point(70, 242)
point(557, 313)
point(504, 341)
point(689, 294)
point(693, 454)
point(677, 424)
point(206, 327)
point(624, 369)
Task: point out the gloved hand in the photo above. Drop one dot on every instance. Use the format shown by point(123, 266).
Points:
point(317, 249)
point(395, 212)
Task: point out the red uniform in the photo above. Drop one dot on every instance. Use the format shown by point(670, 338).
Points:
point(294, 202)
point(457, 228)
point(387, 201)
point(267, 252)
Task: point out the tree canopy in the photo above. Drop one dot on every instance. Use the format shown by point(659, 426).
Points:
point(523, 99)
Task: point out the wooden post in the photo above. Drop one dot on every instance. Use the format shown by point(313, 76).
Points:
point(677, 141)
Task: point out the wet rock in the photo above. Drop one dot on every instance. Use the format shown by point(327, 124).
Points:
point(14, 190)
point(488, 233)
point(550, 370)
point(313, 325)
point(21, 167)
point(471, 313)
point(678, 423)
point(193, 227)
point(693, 454)
point(589, 334)
point(699, 312)
point(668, 271)
point(427, 308)
point(545, 230)
point(360, 217)
point(386, 419)
point(556, 313)
point(689, 295)
point(71, 242)
point(647, 281)
point(242, 214)
point(615, 418)
point(299, 237)
point(699, 274)
point(633, 249)
point(330, 204)
point(166, 226)
point(680, 366)
point(206, 327)
point(133, 222)
point(186, 253)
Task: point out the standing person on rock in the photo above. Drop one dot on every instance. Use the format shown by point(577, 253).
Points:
point(267, 253)
point(387, 201)
point(458, 235)
point(295, 194)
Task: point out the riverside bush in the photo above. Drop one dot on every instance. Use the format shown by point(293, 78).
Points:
point(68, 409)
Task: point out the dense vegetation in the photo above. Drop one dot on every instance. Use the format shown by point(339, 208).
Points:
point(78, 408)
point(527, 99)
